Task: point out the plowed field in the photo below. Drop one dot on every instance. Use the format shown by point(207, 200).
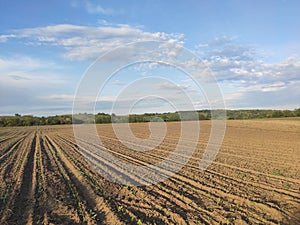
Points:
point(255, 179)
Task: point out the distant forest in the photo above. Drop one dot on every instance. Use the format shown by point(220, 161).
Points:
point(29, 120)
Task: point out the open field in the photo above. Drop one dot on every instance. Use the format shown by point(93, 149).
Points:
point(255, 178)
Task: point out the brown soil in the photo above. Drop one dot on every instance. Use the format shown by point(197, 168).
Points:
point(255, 179)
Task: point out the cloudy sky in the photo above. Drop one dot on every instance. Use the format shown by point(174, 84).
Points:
point(252, 48)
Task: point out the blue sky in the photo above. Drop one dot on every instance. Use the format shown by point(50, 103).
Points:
point(252, 48)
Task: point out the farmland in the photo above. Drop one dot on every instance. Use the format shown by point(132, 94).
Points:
point(255, 178)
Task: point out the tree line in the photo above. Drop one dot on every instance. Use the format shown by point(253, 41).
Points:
point(29, 120)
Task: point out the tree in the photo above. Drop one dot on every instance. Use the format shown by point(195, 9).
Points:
point(297, 112)
point(277, 113)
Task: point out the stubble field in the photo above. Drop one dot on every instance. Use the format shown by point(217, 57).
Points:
point(255, 179)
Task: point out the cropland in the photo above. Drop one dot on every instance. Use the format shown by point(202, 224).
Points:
point(255, 178)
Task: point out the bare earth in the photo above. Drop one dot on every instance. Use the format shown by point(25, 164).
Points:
point(255, 179)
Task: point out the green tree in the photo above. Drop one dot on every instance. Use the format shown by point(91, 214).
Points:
point(297, 112)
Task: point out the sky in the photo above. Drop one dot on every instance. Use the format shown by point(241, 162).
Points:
point(252, 49)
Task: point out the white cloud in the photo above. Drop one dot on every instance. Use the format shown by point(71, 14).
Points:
point(266, 87)
point(93, 8)
point(19, 63)
point(5, 37)
point(242, 64)
point(69, 98)
point(217, 41)
point(236, 52)
point(86, 42)
point(172, 86)
point(118, 83)
point(257, 95)
point(23, 79)
point(98, 9)
point(28, 71)
point(246, 79)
